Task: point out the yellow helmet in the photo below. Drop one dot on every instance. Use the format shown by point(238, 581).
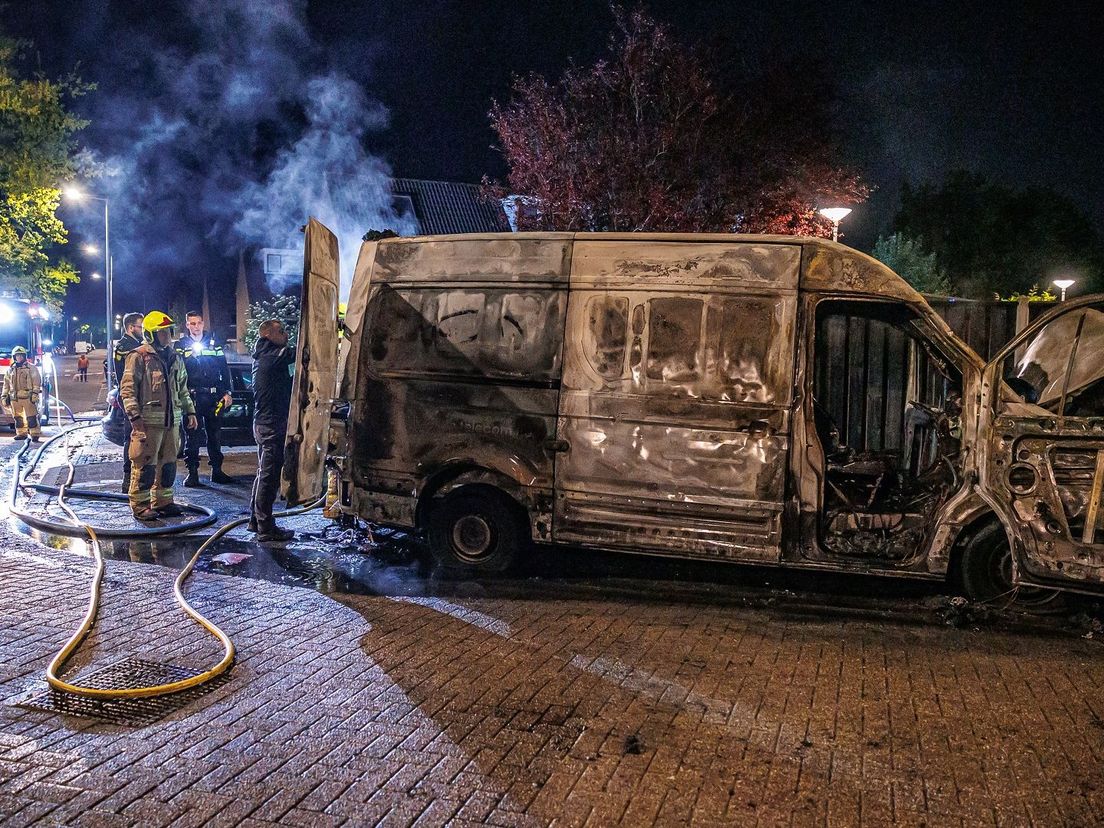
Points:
point(19, 349)
point(155, 321)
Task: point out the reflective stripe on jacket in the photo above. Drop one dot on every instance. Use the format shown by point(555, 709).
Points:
point(154, 391)
point(22, 382)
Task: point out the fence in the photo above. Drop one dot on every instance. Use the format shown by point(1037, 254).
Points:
point(986, 324)
point(860, 381)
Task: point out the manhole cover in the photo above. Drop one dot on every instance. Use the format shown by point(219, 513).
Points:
point(123, 675)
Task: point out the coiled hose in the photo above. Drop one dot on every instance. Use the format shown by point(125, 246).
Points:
point(94, 533)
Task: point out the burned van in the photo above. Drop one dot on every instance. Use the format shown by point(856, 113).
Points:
point(762, 399)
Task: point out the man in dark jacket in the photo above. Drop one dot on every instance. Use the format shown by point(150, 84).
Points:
point(131, 339)
point(272, 361)
point(209, 385)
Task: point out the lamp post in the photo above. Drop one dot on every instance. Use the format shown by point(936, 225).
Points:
point(78, 195)
point(67, 321)
point(1062, 285)
point(835, 215)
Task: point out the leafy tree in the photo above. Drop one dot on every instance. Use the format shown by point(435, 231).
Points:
point(282, 307)
point(37, 151)
point(908, 259)
point(993, 239)
point(648, 138)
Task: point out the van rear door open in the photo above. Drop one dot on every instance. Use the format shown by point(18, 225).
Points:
point(315, 382)
point(675, 401)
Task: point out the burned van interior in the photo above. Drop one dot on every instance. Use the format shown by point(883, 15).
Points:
point(886, 406)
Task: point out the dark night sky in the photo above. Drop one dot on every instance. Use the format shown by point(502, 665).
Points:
point(1013, 91)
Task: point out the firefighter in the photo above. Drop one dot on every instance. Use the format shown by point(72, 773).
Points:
point(22, 389)
point(154, 390)
point(209, 385)
point(131, 339)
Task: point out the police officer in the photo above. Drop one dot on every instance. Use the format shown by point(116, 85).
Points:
point(131, 339)
point(209, 385)
point(154, 390)
point(22, 389)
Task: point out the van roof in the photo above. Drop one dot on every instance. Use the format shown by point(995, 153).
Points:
point(827, 266)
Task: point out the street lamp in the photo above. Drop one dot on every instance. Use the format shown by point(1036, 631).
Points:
point(75, 193)
point(1063, 285)
point(835, 215)
point(96, 276)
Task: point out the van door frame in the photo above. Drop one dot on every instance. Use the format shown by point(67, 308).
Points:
point(1046, 552)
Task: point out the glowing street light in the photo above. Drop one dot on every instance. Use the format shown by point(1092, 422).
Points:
point(835, 215)
point(1063, 285)
point(96, 276)
point(75, 193)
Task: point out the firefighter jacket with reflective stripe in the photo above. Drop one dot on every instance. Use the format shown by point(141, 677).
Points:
point(206, 365)
point(22, 382)
point(155, 387)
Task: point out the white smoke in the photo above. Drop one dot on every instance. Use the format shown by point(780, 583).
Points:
point(232, 135)
point(327, 174)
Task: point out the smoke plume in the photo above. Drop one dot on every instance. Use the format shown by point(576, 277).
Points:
point(230, 132)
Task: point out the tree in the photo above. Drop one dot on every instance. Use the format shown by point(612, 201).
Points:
point(648, 138)
point(991, 239)
point(36, 152)
point(282, 307)
point(907, 258)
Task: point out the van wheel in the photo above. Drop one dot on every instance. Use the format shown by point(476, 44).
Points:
point(475, 529)
point(986, 570)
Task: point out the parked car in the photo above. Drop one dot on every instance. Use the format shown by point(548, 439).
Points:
point(237, 420)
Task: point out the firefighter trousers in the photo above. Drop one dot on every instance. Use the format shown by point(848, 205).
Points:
point(25, 414)
point(153, 466)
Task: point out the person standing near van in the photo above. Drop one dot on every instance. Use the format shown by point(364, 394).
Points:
point(209, 385)
point(22, 389)
point(129, 341)
point(154, 391)
point(82, 368)
point(272, 361)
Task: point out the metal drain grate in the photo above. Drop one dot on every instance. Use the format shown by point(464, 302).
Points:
point(122, 675)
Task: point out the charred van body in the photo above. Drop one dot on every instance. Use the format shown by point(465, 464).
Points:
point(685, 395)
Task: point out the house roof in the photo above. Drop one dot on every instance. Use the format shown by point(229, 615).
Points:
point(445, 207)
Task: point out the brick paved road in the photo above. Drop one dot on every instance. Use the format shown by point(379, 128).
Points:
point(577, 710)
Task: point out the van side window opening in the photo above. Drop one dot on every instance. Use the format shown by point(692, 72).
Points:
point(606, 336)
point(674, 344)
point(475, 333)
point(459, 318)
point(747, 328)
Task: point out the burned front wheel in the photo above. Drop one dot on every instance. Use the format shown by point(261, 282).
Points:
point(475, 529)
point(986, 570)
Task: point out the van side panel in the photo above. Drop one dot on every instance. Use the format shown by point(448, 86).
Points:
point(677, 387)
point(460, 372)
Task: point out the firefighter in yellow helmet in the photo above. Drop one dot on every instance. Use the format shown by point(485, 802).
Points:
point(154, 391)
point(22, 389)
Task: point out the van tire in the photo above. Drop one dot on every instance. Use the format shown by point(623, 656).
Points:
point(986, 572)
point(475, 529)
point(986, 565)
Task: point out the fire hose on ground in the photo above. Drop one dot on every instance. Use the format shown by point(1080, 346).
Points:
point(94, 533)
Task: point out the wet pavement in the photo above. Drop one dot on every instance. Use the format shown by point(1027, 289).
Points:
point(581, 688)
